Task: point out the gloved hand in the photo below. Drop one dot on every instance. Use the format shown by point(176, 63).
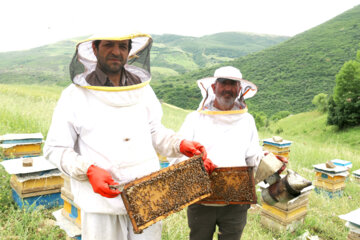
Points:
point(209, 165)
point(284, 160)
point(100, 179)
point(281, 158)
point(191, 148)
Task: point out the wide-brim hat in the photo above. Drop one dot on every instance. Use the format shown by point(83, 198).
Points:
point(248, 89)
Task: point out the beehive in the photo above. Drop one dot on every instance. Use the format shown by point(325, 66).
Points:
point(286, 216)
point(277, 146)
point(40, 192)
point(356, 175)
point(156, 196)
point(232, 185)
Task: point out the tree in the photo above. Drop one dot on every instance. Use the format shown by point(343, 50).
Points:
point(321, 102)
point(260, 119)
point(279, 115)
point(344, 107)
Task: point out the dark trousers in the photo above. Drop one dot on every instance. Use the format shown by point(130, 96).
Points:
point(202, 221)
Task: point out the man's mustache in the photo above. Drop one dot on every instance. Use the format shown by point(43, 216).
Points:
point(228, 92)
point(113, 57)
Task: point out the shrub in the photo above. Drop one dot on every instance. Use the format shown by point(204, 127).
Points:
point(321, 102)
point(344, 106)
point(279, 115)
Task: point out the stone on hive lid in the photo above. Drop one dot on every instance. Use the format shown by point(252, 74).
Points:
point(330, 164)
point(27, 162)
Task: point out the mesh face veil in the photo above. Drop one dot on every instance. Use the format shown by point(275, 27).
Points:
point(248, 90)
point(84, 60)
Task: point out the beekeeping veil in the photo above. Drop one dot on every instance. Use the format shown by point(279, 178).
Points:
point(248, 90)
point(84, 61)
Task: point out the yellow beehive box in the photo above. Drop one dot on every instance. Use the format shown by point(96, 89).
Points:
point(285, 216)
point(275, 224)
point(273, 148)
point(328, 178)
point(331, 187)
point(284, 154)
point(22, 150)
point(301, 200)
point(19, 145)
point(36, 185)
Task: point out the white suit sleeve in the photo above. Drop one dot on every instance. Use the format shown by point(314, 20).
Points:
point(186, 132)
point(61, 141)
point(254, 153)
point(165, 141)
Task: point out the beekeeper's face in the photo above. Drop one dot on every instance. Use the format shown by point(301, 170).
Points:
point(112, 55)
point(226, 91)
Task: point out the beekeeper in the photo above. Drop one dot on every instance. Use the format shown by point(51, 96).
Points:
point(106, 130)
point(228, 132)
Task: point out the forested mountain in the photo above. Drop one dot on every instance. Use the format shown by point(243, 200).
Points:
point(183, 54)
point(171, 55)
point(288, 75)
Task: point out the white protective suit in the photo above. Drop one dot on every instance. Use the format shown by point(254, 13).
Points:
point(229, 137)
point(116, 128)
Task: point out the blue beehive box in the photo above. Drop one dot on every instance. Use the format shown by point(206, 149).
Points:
point(329, 194)
point(343, 163)
point(47, 200)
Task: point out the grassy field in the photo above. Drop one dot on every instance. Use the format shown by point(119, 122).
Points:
point(26, 109)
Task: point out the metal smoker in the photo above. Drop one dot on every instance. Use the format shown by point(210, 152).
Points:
point(284, 189)
point(280, 189)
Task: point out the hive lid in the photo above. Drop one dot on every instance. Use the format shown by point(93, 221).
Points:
point(21, 138)
point(352, 217)
point(15, 166)
point(357, 173)
point(336, 170)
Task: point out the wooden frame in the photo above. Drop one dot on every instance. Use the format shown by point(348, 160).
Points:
point(154, 197)
point(232, 185)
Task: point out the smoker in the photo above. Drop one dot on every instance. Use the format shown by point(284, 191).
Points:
point(281, 189)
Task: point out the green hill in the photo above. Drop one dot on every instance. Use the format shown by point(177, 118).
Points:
point(171, 55)
point(29, 110)
point(288, 75)
point(183, 54)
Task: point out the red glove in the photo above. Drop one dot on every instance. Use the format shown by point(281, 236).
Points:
point(191, 148)
point(284, 160)
point(100, 179)
point(209, 165)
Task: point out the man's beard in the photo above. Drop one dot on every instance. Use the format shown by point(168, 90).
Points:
point(226, 102)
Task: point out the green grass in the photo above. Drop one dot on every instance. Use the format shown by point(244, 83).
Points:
point(27, 109)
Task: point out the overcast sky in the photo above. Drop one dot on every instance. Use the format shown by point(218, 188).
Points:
point(31, 23)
